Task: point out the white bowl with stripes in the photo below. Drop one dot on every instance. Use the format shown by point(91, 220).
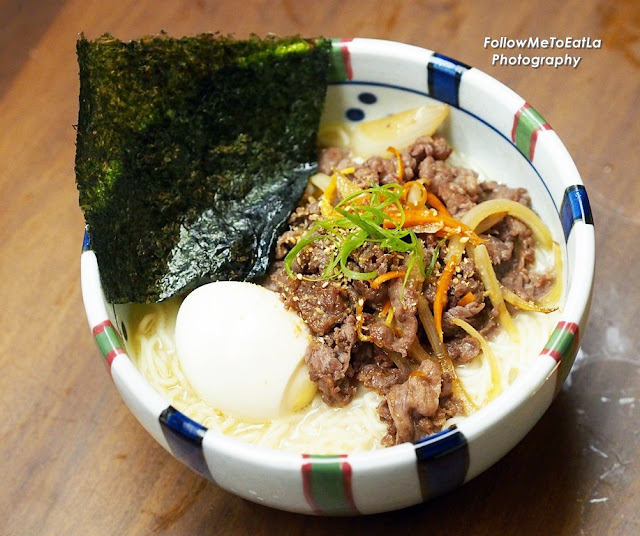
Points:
point(507, 137)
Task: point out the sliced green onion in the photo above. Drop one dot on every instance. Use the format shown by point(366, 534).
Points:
point(358, 224)
point(352, 243)
point(434, 258)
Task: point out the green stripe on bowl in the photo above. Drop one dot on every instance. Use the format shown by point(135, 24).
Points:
point(340, 61)
point(327, 486)
point(562, 346)
point(527, 123)
point(108, 341)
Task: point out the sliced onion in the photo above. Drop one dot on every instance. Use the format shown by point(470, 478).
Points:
point(476, 215)
point(492, 286)
point(320, 180)
point(496, 379)
point(442, 355)
point(526, 305)
point(369, 138)
point(417, 352)
point(486, 214)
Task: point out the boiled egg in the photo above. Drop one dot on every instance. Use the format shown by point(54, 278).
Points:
point(243, 351)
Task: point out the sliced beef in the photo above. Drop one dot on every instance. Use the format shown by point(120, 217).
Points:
point(494, 190)
point(375, 369)
point(457, 187)
point(463, 349)
point(321, 304)
point(329, 359)
point(500, 251)
point(376, 170)
point(332, 158)
point(512, 253)
point(469, 313)
point(413, 400)
point(435, 147)
point(404, 301)
point(300, 220)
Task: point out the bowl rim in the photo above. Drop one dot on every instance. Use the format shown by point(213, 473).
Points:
point(450, 81)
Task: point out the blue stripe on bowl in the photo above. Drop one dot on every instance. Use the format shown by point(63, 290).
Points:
point(86, 241)
point(443, 78)
point(184, 437)
point(575, 206)
point(443, 461)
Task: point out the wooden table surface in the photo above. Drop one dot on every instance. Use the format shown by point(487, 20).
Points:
point(73, 460)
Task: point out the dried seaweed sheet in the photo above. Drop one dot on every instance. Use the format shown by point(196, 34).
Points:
point(191, 153)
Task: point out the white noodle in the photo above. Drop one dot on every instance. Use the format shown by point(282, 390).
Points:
point(317, 429)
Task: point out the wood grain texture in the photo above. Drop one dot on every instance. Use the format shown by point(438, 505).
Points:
point(75, 461)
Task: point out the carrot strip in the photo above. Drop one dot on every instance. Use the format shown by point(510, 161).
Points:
point(375, 283)
point(420, 216)
point(442, 287)
point(466, 299)
point(385, 308)
point(435, 202)
point(416, 217)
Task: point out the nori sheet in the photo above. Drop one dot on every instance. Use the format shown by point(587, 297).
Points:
point(191, 153)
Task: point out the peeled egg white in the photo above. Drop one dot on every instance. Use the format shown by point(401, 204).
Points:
point(243, 351)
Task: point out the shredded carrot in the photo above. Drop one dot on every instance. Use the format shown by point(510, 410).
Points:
point(425, 216)
point(386, 308)
point(442, 287)
point(387, 313)
point(375, 283)
point(389, 318)
point(466, 299)
point(435, 202)
point(419, 216)
point(399, 164)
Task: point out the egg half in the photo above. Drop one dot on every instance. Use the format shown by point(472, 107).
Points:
point(243, 351)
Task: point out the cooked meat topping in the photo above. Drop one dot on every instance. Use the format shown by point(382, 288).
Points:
point(371, 333)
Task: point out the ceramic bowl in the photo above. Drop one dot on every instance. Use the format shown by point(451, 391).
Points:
point(505, 135)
